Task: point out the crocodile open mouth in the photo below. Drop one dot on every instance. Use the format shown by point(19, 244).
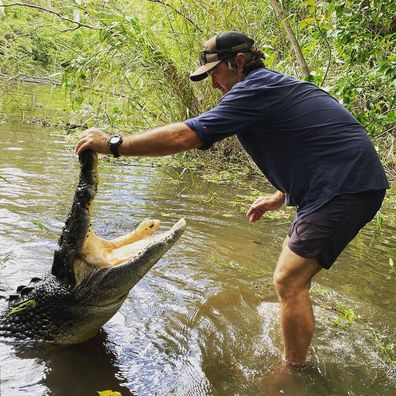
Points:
point(138, 249)
point(100, 252)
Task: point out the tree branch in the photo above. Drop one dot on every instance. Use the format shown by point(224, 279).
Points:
point(49, 11)
point(289, 31)
point(29, 79)
point(165, 4)
point(327, 45)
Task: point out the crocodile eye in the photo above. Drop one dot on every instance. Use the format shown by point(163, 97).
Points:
point(35, 280)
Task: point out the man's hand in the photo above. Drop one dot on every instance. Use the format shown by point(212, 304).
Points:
point(94, 139)
point(264, 204)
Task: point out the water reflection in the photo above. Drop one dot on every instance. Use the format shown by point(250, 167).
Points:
point(78, 370)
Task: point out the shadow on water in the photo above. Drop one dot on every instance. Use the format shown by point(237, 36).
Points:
point(78, 370)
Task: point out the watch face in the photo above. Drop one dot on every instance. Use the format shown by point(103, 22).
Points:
point(114, 139)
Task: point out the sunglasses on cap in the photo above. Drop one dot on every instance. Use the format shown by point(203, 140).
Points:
point(214, 56)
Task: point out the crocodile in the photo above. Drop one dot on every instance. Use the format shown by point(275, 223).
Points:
point(90, 277)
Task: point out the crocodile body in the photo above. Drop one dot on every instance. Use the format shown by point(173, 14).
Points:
point(90, 277)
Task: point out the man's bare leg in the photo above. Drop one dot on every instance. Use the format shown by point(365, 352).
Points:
point(292, 278)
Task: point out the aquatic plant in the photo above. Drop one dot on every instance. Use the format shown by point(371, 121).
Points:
point(346, 316)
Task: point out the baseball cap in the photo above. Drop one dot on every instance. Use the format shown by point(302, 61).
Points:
point(218, 48)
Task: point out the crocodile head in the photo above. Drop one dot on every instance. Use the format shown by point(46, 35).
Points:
point(90, 277)
point(102, 272)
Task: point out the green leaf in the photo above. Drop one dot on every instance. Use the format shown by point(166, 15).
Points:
point(5, 257)
point(379, 220)
point(41, 225)
point(310, 21)
point(21, 307)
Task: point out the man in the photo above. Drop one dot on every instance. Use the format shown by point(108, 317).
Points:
point(309, 147)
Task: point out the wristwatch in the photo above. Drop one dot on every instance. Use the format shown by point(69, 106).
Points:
point(114, 143)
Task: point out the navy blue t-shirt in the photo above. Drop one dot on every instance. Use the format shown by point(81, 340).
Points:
point(303, 140)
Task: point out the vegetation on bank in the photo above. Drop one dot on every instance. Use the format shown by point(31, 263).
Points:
point(125, 64)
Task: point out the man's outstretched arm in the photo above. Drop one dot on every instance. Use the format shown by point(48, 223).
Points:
point(166, 140)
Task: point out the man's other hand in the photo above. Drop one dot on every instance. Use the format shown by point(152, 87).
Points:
point(264, 204)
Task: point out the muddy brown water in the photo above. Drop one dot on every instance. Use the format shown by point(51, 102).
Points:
point(204, 320)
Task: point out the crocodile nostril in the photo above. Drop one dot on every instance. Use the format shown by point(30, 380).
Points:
point(26, 290)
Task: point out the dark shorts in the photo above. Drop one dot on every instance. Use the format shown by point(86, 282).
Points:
point(325, 233)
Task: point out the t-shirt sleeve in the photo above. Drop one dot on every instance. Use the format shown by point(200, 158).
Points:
point(236, 113)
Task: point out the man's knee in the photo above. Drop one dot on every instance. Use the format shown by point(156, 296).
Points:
point(285, 285)
point(293, 274)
